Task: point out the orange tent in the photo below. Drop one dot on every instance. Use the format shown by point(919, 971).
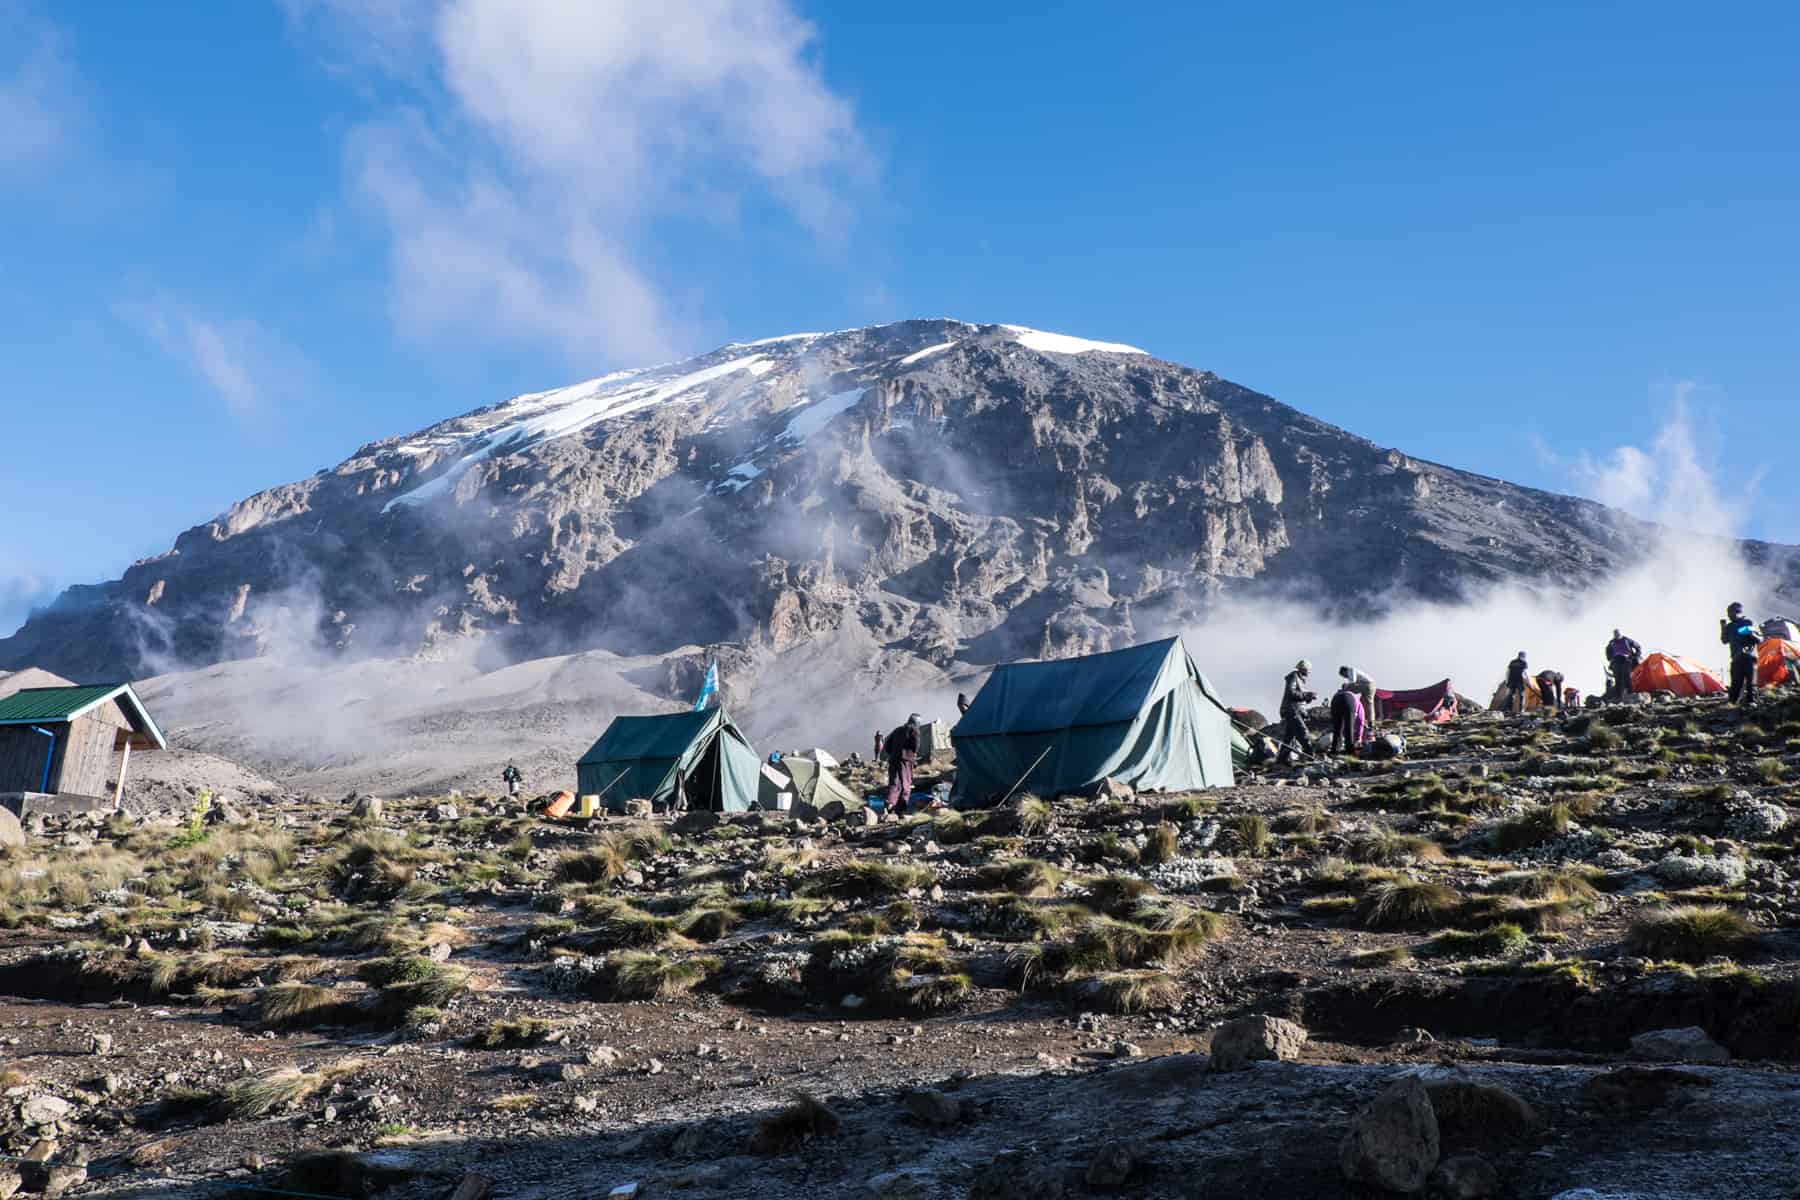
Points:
point(1534, 697)
point(1683, 676)
point(1777, 661)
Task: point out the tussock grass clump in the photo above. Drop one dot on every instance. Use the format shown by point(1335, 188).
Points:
point(1249, 834)
point(1770, 770)
point(863, 879)
point(1024, 877)
point(902, 916)
point(1310, 821)
point(1161, 845)
point(1127, 992)
point(643, 975)
point(1391, 956)
point(787, 860)
point(1409, 902)
point(1186, 808)
point(1112, 893)
point(1546, 885)
point(803, 1120)
point(290, 1004)
point(1690, 933)
point(249, 1099)
point(1603, 739)
point(708, 923)
point(1328, 906)
point(1035, 815)
point(1110, 847)
point(949, 828)
point(508, 1035)
point(1388, 848)
point(1018, 918)
point(1534, 828)
point(1492, 942)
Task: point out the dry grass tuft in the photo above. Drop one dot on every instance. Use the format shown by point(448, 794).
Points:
point(509, 1035)
point(1125, 992)
point(642, 975)
point(803, 1120)
point(1249, 834)
point(1023, 877)
point(290, 1004)
point(1161, 845)
point(1690, 933)
point(1409, 902)
point(1388, 848)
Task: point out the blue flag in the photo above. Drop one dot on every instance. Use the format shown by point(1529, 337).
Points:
point(709, 687)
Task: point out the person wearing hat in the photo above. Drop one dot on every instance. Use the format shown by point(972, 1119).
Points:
point(1739, 632)
point(902, 747)
point(1295, 697)
point(1516, 671)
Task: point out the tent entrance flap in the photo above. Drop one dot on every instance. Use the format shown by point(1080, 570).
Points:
point(646, 756)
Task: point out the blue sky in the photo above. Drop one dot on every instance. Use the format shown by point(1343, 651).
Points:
point(238, 240)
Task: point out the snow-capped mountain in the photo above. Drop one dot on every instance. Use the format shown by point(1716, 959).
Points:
point(944, 491)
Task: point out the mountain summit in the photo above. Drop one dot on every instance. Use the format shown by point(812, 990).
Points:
point(947, 491)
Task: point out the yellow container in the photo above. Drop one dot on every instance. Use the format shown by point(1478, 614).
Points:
point(589, 804)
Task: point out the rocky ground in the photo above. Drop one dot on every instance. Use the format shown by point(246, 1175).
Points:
point(1538, 955)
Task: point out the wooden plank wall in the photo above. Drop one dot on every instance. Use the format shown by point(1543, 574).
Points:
point(88, 762)
point(22, 758)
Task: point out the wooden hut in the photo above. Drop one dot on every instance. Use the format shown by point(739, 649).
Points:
point(72, 742)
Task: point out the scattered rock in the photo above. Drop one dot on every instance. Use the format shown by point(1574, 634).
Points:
point(932, 1107)
point(1018, 1175)
point(908, 1184)
point(101, 1043)
point(1112, 1166)
point(1639, 1088)
point(1483, 1111)
point(1127, 1050)
point(10, 1182)
point(1392, 1142)
point(445, 812)
point(11, 834)
point(366, 808)
point(602, 1056)
point(1693, 870)
point(1465, 1177)
point(1687, 1044)
point(43, 1110)
point(1239, 1043)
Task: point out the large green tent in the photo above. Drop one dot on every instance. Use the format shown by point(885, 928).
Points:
point(641, 758)
point(1144, 716)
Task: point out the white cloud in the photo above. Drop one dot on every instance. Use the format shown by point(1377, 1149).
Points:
point(548, 144)
point(21, 590)
point(246, 369)
point(39, 96)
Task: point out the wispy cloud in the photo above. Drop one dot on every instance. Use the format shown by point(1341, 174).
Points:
point(245, 368)
point(40, 101)
point(21, 590)
point(1674, 479)
point(546, 146)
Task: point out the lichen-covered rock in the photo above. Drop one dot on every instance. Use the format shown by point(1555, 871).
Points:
point(1696, 870)
point(1392, 1142)
point(1246, 1040)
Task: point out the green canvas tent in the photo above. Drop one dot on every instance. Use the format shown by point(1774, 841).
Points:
point(815, 790)
point(642, 757)
point(1144, 715)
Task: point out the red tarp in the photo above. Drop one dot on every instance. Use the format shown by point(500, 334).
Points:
point(1437, 702)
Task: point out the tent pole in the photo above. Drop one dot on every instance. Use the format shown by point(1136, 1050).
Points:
point(1026, 775)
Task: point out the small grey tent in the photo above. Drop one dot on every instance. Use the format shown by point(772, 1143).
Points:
point(642, 758)
point(934, 739)
point(816, 791)
point(1144, 715)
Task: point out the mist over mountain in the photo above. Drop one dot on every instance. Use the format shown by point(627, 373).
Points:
point(901, 504)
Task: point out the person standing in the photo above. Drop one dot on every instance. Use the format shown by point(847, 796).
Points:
point(902, 757)
point(1622, 656)
point(1364, 687)
point(512, 777)
point(1516, 671)
point(1294, 698)
point(1739, 632)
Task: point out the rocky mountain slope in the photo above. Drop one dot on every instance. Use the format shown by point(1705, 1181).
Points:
point(931, 492)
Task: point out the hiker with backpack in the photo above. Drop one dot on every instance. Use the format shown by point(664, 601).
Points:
point(902, 747)
point(1740, 633)
point(1622, 658)
point(1294, 698)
